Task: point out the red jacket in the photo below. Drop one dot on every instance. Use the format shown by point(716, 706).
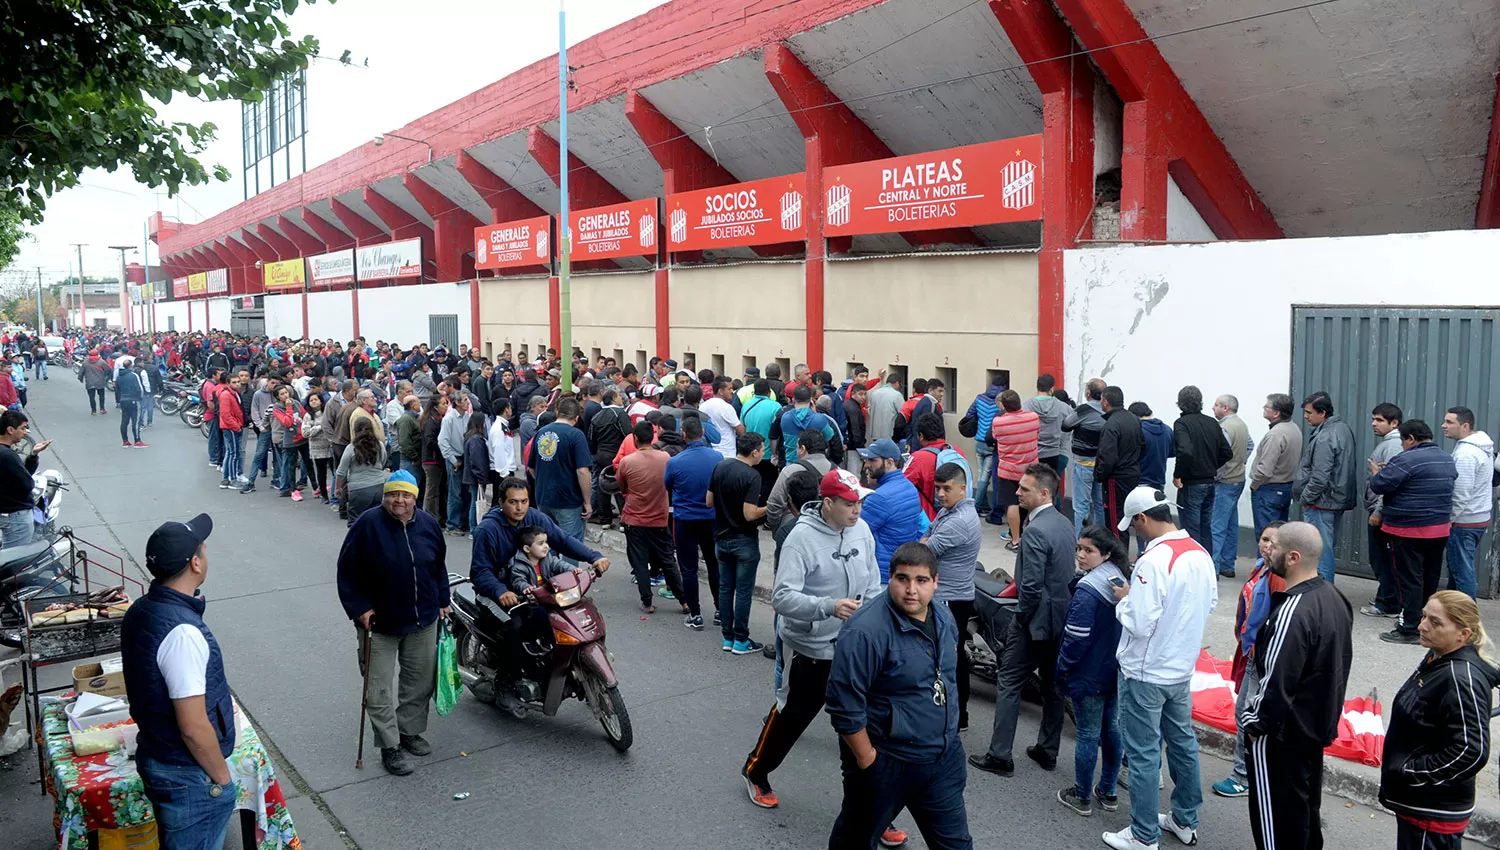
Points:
point(231, 415)
point(922, 473)
point(8, 394)
point(1016, 436)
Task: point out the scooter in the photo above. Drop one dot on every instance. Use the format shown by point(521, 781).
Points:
point(39, 568)
point(573, 662)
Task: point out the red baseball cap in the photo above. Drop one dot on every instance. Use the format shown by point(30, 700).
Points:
point(842, 484)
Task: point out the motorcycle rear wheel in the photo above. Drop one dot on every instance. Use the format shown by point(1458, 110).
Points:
point(609, 707)
point(192, 415)
point(169, 404)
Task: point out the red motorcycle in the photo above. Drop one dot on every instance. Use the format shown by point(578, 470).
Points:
point(571, 662)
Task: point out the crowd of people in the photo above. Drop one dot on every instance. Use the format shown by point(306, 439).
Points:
point(877, 522)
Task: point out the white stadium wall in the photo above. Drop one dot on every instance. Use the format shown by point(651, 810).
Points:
point(172, 314)
point(400, 313)
point(218, 314)
point(330, 315)
point(284, 315)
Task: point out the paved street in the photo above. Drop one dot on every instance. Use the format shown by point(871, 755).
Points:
point(550, 782)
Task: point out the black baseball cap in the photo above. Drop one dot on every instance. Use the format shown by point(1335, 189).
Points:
point(173, 544)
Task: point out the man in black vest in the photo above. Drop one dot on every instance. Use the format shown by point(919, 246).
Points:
point(179, 697)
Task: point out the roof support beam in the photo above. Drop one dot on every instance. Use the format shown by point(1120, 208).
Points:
point(1169, 135)
point(843, 137)
point(452, 230)
point(1488, 214)
point(403, 226)
point(250, 281)
point(365, 232)
point(586, 189)
point(335, 239)
point(223, 259)
point(280, 246)
point(506, 203)
point(305, 242)
point(1040, 36)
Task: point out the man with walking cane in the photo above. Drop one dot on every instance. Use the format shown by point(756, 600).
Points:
point(393, 583)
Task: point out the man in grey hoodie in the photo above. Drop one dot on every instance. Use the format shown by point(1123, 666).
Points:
point(1473, 496)
point(1050, 411)
point(1385, 420)
point(827, 571)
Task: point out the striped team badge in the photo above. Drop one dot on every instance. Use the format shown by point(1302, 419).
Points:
point(1019, 177)
point(791, 211)
point(648, 231)
point(679, 225)
point(839, 205)
point(541, 244)
point(481, 251)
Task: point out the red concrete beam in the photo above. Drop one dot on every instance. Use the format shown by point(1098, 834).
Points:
point(1171, 131)
point(403, 226)
point(263, 252)
point(281, 246)
point(452, 230)
point(1488, 213)
point(365, 231)
point(335, 239)
point(244, 277)
point(586, 188)
point(842, 136)
point(506, 203)
point(305, 242)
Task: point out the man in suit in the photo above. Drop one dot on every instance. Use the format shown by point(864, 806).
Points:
point(1043, 570)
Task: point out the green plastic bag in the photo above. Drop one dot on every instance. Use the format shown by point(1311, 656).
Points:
point(449, 683)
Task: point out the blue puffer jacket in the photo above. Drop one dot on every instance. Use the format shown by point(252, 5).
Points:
point(984, 408)
point(895, 516)
point(1418, 487)
point(1086, 665)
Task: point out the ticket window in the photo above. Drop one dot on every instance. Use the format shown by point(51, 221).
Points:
point(640, 361)
point(717, 364)
point(619, 357)
point(489, 351)
point(1002, 376)
point(900, 371)
point(786, 368)
point(594, 355)
point(949, 376)
point(746, 364)
point(851, 367)
point(689, 361)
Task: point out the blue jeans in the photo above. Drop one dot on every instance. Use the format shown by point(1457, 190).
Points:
point(570, 520)
point(739, 557)
point(1149, 715)
point(258, 463)
point(188, 817)
point(41, 369)
point(215, 442)
point(1269, 503)
point(1226, 525)
point(984, 471)
point(1462, 544)
point(148, 409)
point(1097, 720)
point(17, 528)
point(457, 515)
point(1327, 524)
point(1195, 502)
point(1083, 489)
point(234, 455)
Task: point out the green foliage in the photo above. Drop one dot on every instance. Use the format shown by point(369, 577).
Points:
point(80, 75)
point(12, 234)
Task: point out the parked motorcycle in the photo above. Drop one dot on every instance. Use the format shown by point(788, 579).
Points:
point(40, 568)
point(192, 412)
point(995, 602)
point(573, 662)
point(170, 401)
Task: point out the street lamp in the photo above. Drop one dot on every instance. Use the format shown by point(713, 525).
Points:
point(124, 287)
point(381, 137)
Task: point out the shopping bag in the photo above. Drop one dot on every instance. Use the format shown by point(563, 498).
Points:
point(449, 683)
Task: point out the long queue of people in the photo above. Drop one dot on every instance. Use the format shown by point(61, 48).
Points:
point(876, 522)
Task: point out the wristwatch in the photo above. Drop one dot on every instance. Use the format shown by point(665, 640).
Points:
point(215, 789)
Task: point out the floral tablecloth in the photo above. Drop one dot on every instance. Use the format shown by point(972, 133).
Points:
point(92, 794)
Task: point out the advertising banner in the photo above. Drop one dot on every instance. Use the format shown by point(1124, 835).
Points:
point(620, 230)
point(990, 183)
point(287, 274)
point(527, 242)
point(218, 281)
point(389, 260)
point(179, 287)
point(756, 213)
point(197, 283)
point(331, 269)
point(247, 303)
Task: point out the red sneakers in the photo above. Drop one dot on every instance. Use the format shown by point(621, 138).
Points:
point(892, 837)
point(141, 445)
point(761, 795)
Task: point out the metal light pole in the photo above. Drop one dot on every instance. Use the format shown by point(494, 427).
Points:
point(124, 287)
point(82, 322)
point(564, 266)
point(40, 328)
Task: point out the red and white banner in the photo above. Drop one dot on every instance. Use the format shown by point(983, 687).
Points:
point(179, 287)
point(331, 269)
point(527, 242)
point(218, 281)
point(620, 230)
point(990, 183)
point(1361, 729)
point(389, 260)
point(756, 213)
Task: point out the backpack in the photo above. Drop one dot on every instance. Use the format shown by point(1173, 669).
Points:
point(948, 454)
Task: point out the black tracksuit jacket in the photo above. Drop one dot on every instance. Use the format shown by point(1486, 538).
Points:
point(1302, 653)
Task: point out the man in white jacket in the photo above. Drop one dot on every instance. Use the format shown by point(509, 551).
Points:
point(1474, 455)
point(1162, 611)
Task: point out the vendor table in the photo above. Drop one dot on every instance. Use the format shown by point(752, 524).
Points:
point(92, 794)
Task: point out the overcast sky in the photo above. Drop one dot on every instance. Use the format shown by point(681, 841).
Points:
point(421, 57)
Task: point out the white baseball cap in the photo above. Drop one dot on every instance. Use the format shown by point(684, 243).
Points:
point(1140, 500)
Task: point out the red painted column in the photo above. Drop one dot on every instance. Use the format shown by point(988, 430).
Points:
point(1143, 174)
point(554, 312)
point(354, 305)
point(474, 314)
point(452, 230)
point(1487, 214)
point(816, 246)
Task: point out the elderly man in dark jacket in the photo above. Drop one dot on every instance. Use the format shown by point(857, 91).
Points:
point(1043, 572)
point(393, 583)
point(1201, 449)
point(1417, 487)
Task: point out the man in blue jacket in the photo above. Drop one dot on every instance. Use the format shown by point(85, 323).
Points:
point(393, 583)
point(894, 511)
point(496, 543)
point(897, 725)
point(1417, 487)
point(982, 409)
point(799, 417)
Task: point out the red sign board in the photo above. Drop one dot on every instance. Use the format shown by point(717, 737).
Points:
point(620, 230)
point(179, 287)
point(990, 183)
point(756, 213)
point(527, 242)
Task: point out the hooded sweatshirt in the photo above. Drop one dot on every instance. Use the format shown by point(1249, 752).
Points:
point(1050, 412)
point(1160, 445)
point(1086, 664)
point(819, 566)
point(794, 422)
point(1472, 495)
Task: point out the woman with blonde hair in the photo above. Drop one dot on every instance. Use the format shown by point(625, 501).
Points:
point(1439, 736)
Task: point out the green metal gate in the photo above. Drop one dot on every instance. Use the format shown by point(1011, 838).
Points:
point(1424, 360)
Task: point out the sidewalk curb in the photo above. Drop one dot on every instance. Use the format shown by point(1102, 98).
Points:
point(1355, 782)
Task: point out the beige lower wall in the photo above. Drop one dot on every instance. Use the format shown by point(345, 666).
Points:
point(513, 311)
point(615, 312)
point(733, 311)
point(970, 314)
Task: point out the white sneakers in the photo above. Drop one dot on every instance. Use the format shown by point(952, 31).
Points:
point(1125, 839)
